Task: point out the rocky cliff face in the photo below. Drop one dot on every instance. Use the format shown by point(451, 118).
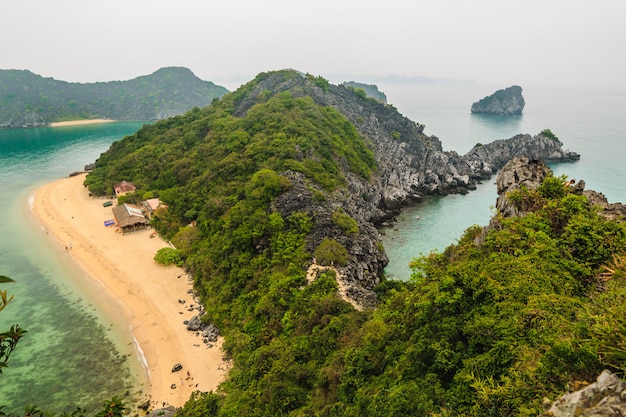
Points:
point(503, 102)
point(410, 165)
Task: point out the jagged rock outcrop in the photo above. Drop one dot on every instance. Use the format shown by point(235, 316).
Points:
point(529, 173)
point(606, 397)
point(517, 173)
point(503, 102)
point(409, 163)
point(367, 259)
point(488, 159)
point(613, 211)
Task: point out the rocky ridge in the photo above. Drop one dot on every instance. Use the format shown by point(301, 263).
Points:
point(503, 102)
point(410, 164)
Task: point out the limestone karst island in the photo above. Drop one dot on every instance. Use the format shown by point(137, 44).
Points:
point(508, 101)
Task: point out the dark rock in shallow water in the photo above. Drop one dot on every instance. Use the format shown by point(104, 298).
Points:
point(168, 411)
point(502, 102)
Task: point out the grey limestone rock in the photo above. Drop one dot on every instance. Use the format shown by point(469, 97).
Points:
point(606, 397)
point(195, 323)
point(503, 102)
point(613, 211)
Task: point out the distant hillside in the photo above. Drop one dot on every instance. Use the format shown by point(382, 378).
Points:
point(30, 100)
point(371, 90)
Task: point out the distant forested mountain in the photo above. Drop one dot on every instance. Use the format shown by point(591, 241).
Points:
point(30, 100)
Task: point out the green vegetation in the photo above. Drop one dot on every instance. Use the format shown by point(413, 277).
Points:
point(321, 82)
point(115, 407)
point(27, 99)
point(331, 252)
point(8, 339)
point(169, 256)
point(345, 222)
point(548, 133)
point(479, 330)
point(366, 91)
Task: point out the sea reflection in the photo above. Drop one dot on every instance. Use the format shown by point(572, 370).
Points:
point(494, 121)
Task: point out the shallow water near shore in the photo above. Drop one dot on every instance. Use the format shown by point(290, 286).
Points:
point(76, 352)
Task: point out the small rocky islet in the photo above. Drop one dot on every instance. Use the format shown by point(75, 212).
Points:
point(505, 102)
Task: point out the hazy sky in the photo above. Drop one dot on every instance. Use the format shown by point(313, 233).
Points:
point(529, 42)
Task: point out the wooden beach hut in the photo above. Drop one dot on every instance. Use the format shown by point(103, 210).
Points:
point(129, 218)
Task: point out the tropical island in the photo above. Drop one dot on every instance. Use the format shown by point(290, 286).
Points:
point(272, 197)
point(30, 100)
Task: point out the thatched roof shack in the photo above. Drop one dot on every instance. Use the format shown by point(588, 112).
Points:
point(129, 218)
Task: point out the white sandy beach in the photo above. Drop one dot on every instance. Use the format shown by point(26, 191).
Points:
point(147, 292)
point(80, 122)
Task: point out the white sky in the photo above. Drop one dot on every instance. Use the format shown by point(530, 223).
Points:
point(529, 42)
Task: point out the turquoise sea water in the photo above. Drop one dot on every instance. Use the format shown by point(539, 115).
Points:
point(75, 352)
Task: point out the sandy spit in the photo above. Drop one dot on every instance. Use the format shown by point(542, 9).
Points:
point(80, 122)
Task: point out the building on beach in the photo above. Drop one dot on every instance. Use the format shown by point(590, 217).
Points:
point(151, 205)
point(129, 218)
point(123, 188)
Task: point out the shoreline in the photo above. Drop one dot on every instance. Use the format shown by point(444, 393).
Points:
point(80, 122)
point(152, 300)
